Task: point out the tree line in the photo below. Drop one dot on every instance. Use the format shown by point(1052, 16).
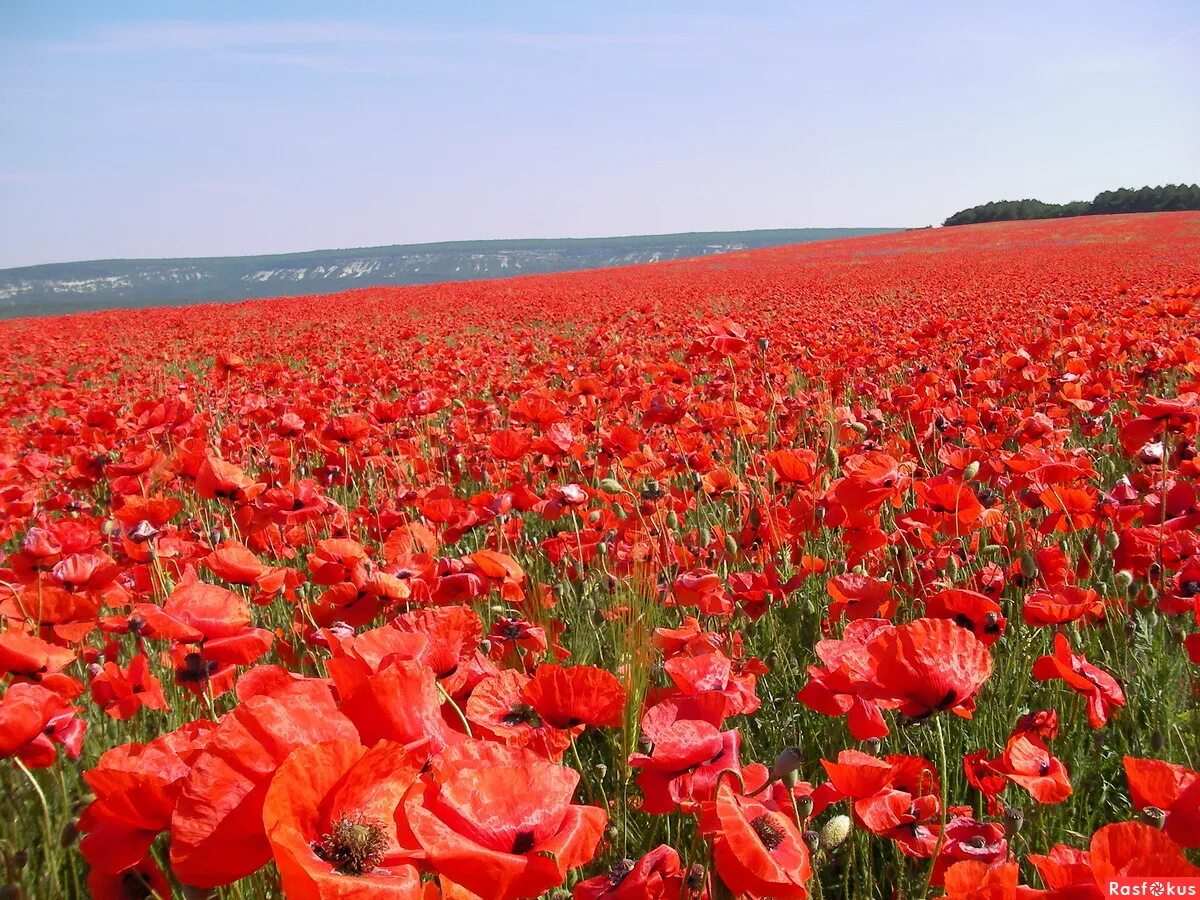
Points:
point(1164, 198)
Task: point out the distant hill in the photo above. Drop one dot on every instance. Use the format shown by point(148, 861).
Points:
point(1164, 198)
point(103, 284)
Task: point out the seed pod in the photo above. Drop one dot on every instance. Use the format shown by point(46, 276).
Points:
point(787, 762)
point(1013, 820)
point(695, 877)
point(836, 830)
point(874, 745)
point(812, 840)
point(1154, 817)
point(804, 806)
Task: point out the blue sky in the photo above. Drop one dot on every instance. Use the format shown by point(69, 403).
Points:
point(185, 129)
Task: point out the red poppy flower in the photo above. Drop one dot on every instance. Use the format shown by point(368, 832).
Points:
point(566, 697)
point(122, 692)
point(330, 816)
point(212, 631)
point(217, 832)
point(927, 666)
point(967, 839)
point(683, 766)
point(1102, 691)
point(1061, 606)
point(33, 719)
point(29, 658)
point(1027, 762)
point(843, 683)
point(398, 703)
point(978, 613)
point(144, 879)
point(655, 876)
point(498, 706)
point(757, 851)
point(1171, 788)
point(499, 820)
point(135, 786)
point(1124, 850)
point(970, 880)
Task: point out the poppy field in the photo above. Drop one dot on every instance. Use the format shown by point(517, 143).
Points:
point(866, 568)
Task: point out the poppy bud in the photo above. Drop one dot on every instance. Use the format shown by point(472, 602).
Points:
point(971, 471)
point(1029, 566)
point(835, 831)
point(812, 840)
point(1157, 741)
point(610, 486)
point(1112, 540)
point(672, 520)
point(108, 527)
point(788, 761)
point(706, 536)
point(731, 544)
point(69, 833)
point(611, 833)
point(1154, 817)
point(1013, 820)
point(143, 532)
point(1124, 579)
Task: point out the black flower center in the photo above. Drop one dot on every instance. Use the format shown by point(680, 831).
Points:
point(768, 831)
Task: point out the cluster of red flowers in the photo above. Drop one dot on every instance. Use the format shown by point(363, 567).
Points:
point(567, 584)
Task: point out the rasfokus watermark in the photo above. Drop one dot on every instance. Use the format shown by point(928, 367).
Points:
point(1144, 886)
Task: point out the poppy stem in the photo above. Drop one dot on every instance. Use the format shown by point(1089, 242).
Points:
point(461, 717)
point(943, 771)
point(46, 826)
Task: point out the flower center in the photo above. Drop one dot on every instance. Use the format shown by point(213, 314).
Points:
point(768, 831)
point(354, 846)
